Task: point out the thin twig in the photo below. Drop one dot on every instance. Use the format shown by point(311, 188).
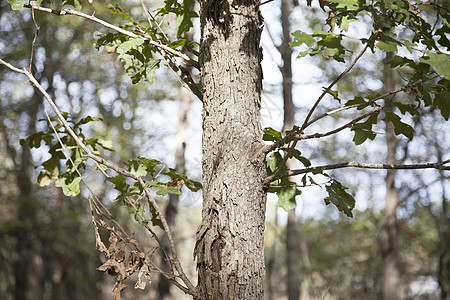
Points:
point(328, 113)
point(148, 15)
point(348, 125)
point(34, 40)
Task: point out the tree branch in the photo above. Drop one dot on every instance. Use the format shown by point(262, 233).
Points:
point(331, 112)
point(162, 49)
point(190, 288)
point(305, 123)
point(298, 136)
point(353, 164)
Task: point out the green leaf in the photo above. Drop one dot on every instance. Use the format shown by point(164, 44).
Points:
point(440, 62)
point(128, 45)
point(273, 160)
point(150, 164)
point(297, 154)
point(363, 131)
point(301, 37)
point(351, 4)
point(399, 126)
point(387, 46)
point(16, 4)
point(356, 100)
point(120, 183)
point(271, 134)
point(345, 22)
point(340, 198)
point(141, 170)
point(163, 188)
point(69, 189)
point(286, 197)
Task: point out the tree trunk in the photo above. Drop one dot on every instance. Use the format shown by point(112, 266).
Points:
point(443, 227)
point(230, 240)
point(389, 233)
point(292, 235)
point(26, 210)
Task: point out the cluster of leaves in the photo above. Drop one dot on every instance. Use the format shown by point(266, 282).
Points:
point(396, 25)
point(286, 190)
point(18, 4)
point(154, 170)
point(162, 180)
point(137, 54)
point(183, 12)
point(68, 177)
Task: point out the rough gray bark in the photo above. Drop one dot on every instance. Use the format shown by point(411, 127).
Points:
point(230, 241)
point(389, 232)
point(292, 234)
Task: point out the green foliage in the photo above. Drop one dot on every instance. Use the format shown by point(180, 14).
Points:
point(427, 75)
point(183, 13)
point(340, 198)
point(285, 189)
point(320, 42)
point(363, 130)
point(399, 126)
point(68, 177)
point(153, 169)
point(17, 4)
point(271, 134)
point(440, 62)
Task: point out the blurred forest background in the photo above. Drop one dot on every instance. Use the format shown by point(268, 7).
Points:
point(47, 245)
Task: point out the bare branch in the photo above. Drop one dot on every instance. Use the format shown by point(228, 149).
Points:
point(353, 164)
point(305, 123)
point(190, 288)
point(34, 40)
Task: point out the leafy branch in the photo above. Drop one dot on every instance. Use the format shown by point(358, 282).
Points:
point(327, 89)
point(166, 51)
point(353, 164)
point(189, 287)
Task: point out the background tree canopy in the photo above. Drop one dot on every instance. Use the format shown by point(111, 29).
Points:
point(90, 96)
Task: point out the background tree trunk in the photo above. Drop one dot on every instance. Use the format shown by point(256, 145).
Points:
point(292, 235)
point(443, 227)
point(389, 231)
point(185, 99)
point(230, 240)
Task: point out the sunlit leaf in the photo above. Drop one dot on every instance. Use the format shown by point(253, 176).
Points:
point(440, 62)
point(17, 4)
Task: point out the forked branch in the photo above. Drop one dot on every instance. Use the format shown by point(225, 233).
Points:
point(327, 89)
